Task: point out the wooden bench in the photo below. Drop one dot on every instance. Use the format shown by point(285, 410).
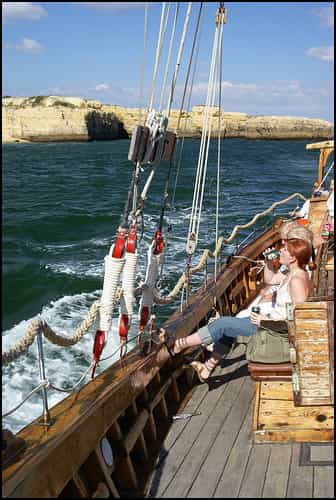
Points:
point(301, 409)
point(270, 371)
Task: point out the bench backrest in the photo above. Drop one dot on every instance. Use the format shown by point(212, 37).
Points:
point(313, 365)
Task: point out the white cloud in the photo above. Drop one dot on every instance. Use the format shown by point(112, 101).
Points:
point(281, 97)
point(26, 45)
point(326, 15)
point(102, 87)
point(22, 10)
point(112, 5)
point(322, 53)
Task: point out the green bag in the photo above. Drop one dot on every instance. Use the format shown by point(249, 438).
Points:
point(268, 346)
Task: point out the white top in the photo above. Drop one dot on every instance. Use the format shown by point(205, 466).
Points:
point(283, 298)
point(279, 310)
point(330, 204)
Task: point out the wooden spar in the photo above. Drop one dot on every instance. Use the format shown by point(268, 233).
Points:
point(320, 145)
point(326, 148)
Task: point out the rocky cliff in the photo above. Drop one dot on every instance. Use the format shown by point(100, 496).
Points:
point(54, 118)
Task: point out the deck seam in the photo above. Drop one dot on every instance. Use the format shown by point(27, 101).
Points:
point(192, 443)
point(233, 445)
point(204, 424)
point(266, 470)
point(289, 469)
point(244, 473)
point(224, 390)
point(223, 422)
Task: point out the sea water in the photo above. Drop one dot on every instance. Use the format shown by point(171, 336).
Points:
point(61, 206)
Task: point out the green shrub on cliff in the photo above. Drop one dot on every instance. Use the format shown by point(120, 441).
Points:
point(36, 100)
point(64, 104)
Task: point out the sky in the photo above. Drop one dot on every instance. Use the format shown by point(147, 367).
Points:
point(277, 56)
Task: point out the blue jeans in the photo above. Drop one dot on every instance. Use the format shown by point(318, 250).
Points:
point(224, 327)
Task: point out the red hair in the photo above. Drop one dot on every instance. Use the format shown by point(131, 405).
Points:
point(301, 250)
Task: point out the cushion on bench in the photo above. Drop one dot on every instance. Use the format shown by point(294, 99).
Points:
point(270, 371)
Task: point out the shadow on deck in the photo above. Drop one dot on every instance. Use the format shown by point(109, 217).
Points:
point(213, 455)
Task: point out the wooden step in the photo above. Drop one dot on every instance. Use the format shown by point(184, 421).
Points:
point(277, 419)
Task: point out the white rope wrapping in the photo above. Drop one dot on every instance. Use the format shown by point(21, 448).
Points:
point(128, 279)
point(113, 268)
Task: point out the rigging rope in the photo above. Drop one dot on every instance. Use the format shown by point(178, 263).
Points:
point(163, 90)
point(219, 142)
point(195, 40)
point(179, 56)
point(163, 26)
point(203, 157)
point(326, 175)
point(143, 64)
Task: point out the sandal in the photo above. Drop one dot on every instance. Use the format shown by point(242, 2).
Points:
point(176, 347)
point(204, 370)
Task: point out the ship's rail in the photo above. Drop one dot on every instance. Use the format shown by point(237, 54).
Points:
point(130, 404)
point(39, 326)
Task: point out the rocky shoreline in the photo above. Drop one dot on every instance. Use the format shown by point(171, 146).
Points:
point(56, 118)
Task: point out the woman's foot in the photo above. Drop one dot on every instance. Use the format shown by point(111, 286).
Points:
point(204, 370)
point(178, 346)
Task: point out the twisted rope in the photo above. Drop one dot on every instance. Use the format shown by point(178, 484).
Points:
point(38, 325)
point(208, 254)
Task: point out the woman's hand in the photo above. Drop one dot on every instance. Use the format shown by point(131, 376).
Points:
point(257, 318)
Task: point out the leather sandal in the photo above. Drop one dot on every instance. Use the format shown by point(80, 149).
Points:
point(204, 370)
point(176, 347)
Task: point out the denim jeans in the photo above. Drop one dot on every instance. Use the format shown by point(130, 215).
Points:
point(220, 330)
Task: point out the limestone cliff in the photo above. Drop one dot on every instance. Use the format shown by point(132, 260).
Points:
point(55, 118)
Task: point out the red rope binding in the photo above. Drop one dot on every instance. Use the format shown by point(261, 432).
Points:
point(158, 242)
point(132, 239)
point(119, 245)
point(98, 346)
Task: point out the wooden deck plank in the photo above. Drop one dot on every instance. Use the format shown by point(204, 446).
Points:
point(300, 481)
point(213, 454)
point(323, 482)
point(277, 472)
point(165, 471)
point(230, 481)
point(203, 441)
point(199, 393)
point(253, 481)
point(212, 468)
point(167, 467)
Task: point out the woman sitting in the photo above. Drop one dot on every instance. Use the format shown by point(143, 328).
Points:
point(294, 288)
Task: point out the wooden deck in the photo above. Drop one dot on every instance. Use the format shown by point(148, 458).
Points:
point(213, 455)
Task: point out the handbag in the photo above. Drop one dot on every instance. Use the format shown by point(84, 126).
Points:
point(268, 346)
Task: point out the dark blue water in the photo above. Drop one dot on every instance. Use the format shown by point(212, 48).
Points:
point(62, 204)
